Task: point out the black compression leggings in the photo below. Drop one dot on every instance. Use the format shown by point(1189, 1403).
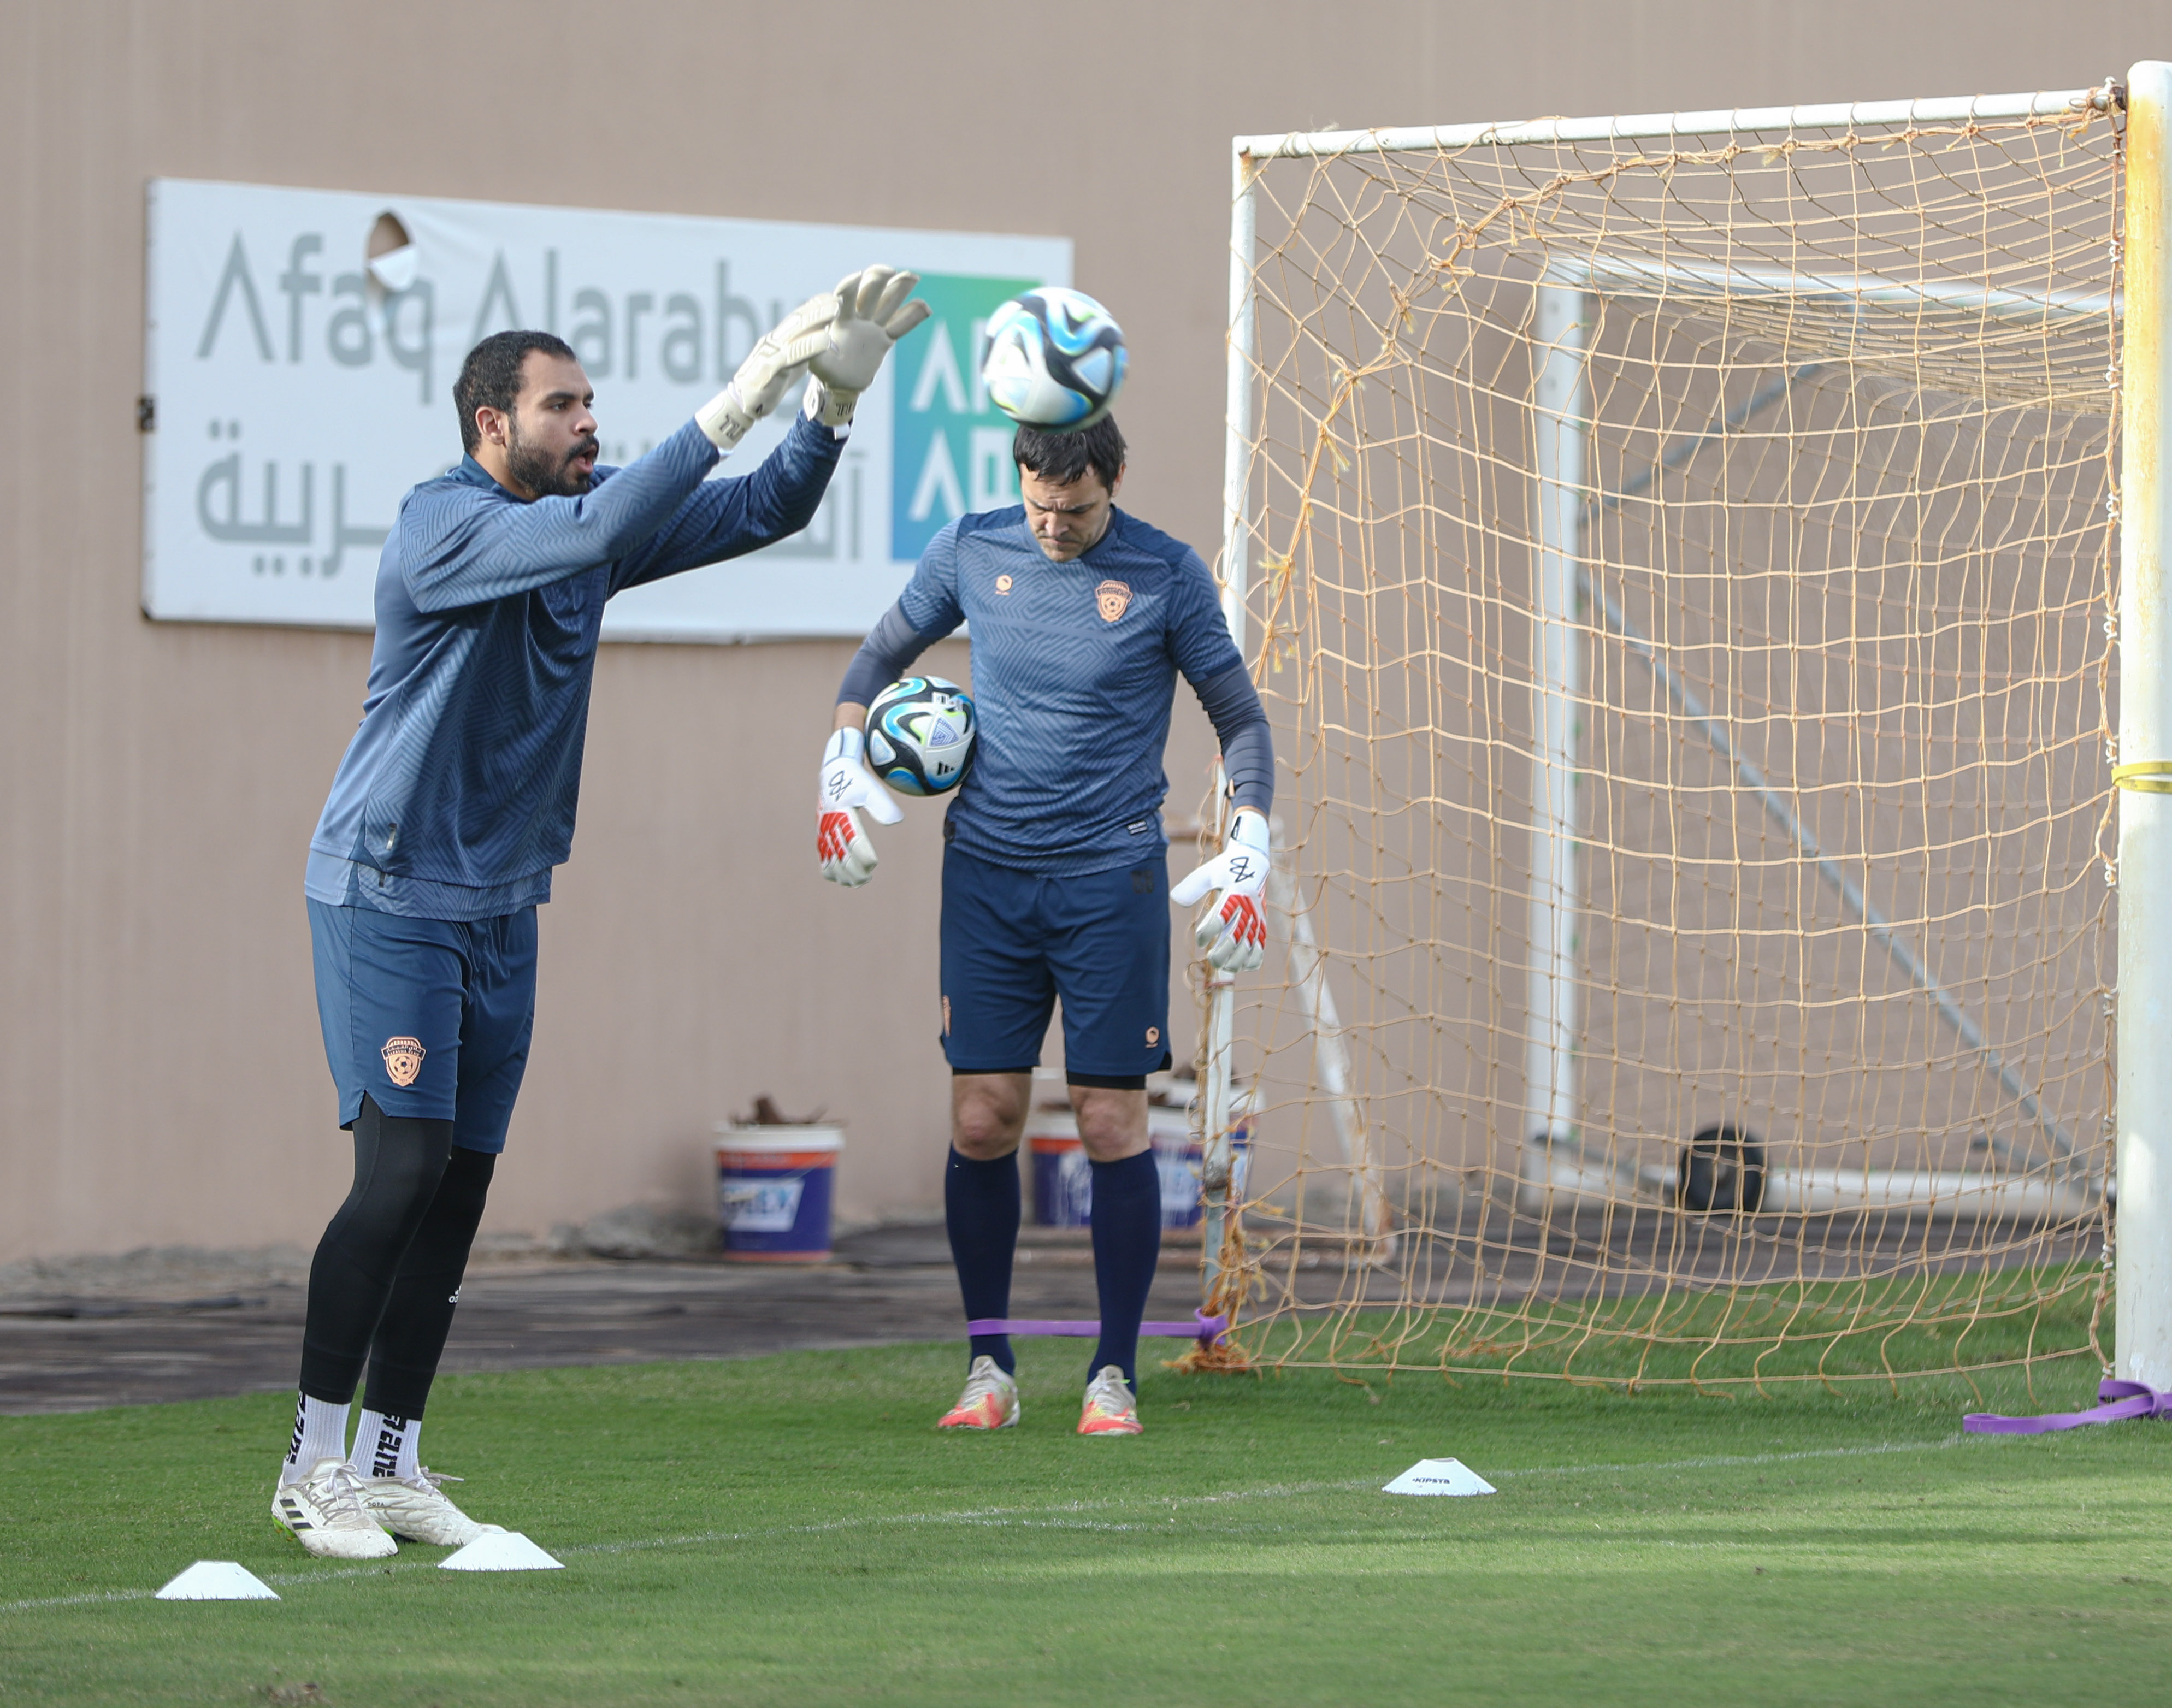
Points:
point(388, 1270)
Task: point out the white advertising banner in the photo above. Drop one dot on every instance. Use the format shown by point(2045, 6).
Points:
point(299, 376)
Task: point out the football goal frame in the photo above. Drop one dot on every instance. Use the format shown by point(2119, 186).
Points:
point(1564, 503)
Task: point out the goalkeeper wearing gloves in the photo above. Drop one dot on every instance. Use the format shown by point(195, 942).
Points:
point(1054, 868)
point(453, 802)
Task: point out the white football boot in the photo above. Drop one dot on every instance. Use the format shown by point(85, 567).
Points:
point(990, 1401)
point(325, 1513)
point(416, 1509)
point(1110, 1408)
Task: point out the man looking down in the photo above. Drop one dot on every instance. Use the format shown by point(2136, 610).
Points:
point(453, 803)
point(1055, 867)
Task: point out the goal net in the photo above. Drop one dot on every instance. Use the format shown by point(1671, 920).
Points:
point(1678, 558)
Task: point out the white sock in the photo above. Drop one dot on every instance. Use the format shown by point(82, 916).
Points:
point(386, 1446)
point(320, 1433)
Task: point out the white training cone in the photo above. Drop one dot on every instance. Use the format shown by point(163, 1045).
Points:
point(500, 1550)
point(218, 1580)
point(1439, 1477)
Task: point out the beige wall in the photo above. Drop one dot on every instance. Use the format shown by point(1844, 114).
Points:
point(160, 1075)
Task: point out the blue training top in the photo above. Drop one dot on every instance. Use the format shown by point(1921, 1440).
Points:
point(456, 797)
point(1074, 672)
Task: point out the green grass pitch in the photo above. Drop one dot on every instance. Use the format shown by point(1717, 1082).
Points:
point(792, 1530)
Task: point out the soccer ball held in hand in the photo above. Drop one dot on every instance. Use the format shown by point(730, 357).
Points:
point(920, 735)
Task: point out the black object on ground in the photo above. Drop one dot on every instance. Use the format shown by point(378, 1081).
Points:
point(1723, 1169)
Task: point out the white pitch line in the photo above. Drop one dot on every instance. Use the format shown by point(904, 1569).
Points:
point(1040, 1517)
point(1714, 1464)
point(993, 1515)
point(78, 1600)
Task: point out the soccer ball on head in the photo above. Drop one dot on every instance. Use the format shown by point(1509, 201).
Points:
point(920, 735)
point(1055, 359)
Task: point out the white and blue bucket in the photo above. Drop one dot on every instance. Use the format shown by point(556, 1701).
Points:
point(773, 1191)
point(1063, 1179)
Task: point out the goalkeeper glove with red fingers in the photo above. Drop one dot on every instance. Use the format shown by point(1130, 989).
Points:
point(849, 788)
point(1234, 934)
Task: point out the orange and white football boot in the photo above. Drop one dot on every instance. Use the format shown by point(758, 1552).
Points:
point(1110, 1408)
point(990, 1401)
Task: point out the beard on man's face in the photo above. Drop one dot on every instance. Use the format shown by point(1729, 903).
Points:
point(544, 473)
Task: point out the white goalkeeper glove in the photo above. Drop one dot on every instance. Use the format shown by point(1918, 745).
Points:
point(849, 788)
point(779, 359)
point(1234, 933)
point(872, 315)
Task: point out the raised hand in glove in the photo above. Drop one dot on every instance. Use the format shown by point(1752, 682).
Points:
point(872, 315)
point(778, 359)
point(1233, 932)
point(849, 788)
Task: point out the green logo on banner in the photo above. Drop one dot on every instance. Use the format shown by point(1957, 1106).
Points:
point(952, 448)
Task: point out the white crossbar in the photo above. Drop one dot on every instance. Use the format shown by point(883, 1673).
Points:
point(1741, 121)
point(1629, 275)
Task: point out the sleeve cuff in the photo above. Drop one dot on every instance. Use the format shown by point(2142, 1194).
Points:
point(702, 445)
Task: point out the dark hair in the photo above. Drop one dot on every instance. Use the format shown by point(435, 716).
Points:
point(490, 378)
point(1063, 458)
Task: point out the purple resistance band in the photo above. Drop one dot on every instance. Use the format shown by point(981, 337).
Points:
point(2121, 1400)
point(1202, 1328)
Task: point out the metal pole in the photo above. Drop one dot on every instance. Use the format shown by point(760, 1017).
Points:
point(1316, 1003)
point(2144, 1249)
point(1236, 558)
point(1558, 527)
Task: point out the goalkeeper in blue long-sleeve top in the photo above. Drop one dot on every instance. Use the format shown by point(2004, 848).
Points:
point(1055, 872)
point(452, 805)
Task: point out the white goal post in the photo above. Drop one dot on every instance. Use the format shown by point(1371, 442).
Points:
point(1837, 314)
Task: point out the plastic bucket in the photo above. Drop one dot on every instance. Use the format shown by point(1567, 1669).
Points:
point(1063, 1179)
point(773, 1191)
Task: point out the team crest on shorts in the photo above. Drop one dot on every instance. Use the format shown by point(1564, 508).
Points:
point(1114, 598)
point(403, 1059)
point(1153, 1036)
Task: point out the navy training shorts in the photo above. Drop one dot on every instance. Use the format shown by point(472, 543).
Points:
point(1014, 941)
point(430, 1017)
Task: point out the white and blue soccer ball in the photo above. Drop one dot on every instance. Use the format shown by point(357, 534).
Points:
point(1055, 359)
point(920, 735)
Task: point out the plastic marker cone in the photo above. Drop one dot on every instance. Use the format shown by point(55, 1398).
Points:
point(1439, 1477)
point(218, 1580)
point(500, 1550)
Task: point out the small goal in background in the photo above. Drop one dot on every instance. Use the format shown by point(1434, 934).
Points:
point(1681, 555)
